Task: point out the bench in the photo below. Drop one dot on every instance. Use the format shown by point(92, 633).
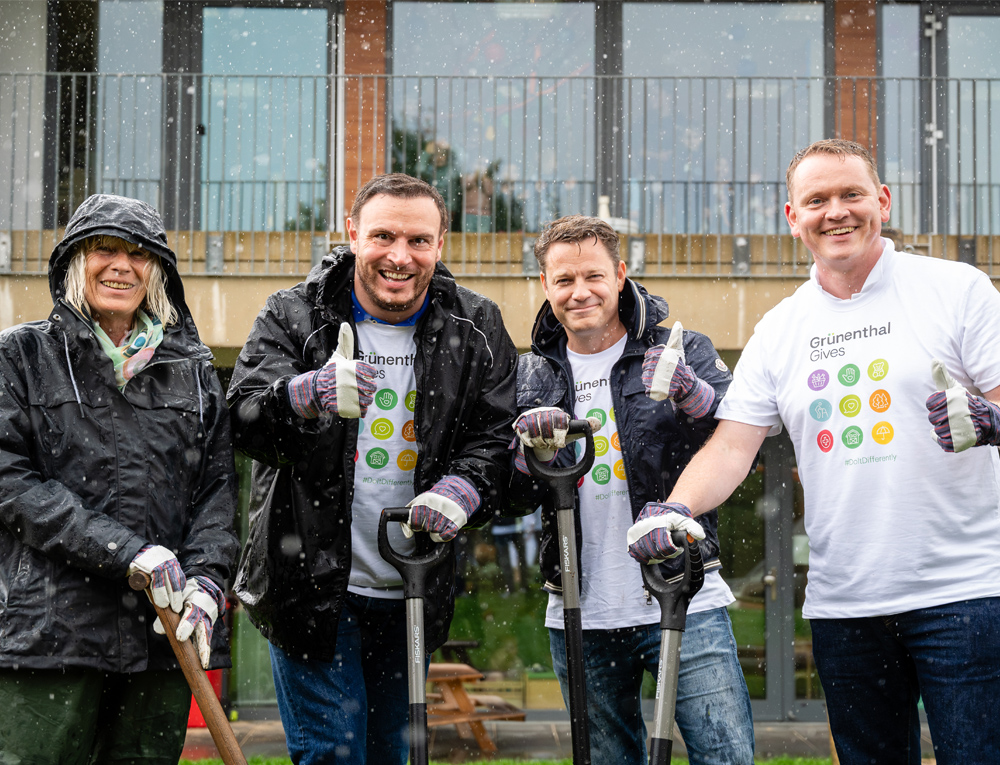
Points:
point(452, 704)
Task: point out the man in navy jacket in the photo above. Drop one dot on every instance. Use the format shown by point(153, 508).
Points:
point(590, 343)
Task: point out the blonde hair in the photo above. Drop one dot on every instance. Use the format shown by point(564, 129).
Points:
point(154, 279)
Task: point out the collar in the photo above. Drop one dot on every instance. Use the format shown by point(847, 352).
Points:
point(872, 281)
point(360, 314)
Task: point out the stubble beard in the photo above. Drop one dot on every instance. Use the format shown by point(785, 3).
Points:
point(369, 283)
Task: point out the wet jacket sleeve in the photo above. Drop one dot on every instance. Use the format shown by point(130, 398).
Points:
point(210, 544)
point(264, 425)
point(42, 512)
point(481, 455)
point(702, 357)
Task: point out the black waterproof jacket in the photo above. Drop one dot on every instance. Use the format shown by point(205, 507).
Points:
point(657, 443)
point(294, 572)
point(89, 474)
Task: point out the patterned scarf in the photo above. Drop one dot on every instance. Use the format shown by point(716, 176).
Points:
point(137, 352)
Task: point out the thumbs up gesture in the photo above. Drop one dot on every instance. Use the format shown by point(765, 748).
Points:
point(666, 375)
point(343, 386)
point(960, 419)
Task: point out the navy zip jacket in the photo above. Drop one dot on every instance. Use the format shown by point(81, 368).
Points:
point(657, 443)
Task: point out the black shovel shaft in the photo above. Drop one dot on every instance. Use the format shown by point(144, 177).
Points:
point(673, 597)
point(414, 569)
point(563, 481)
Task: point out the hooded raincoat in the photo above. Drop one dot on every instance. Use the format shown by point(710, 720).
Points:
point(90, 474)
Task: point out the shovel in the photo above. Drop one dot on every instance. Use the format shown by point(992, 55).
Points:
point(414, 569)
point(563, 482)
point(673, 596)
point(201, 688)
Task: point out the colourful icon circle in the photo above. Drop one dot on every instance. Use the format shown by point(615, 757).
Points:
point(382, 429)
point(821, 410)
point(600, 446)
point(407, 459)
point(377, 458)
point(620, 470)
point(599, 414)
point(878, 369)
point(880, 400)
point(825, 440)
point(850, 405)
point(601, 474)
point(616, 442)
point(409, 434)
point(882, 433)
point(852, 437)
point(361, 426)
point(386, 399)
point(819, 379)
point(611, 414)
point(411, 400)
point(849, 375)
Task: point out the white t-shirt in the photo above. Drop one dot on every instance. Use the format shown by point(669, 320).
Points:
point(894, 522)
point(386, 456)
point(611, 593)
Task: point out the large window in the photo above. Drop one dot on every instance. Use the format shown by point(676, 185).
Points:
point(493, 104)
point(717, 99)
point(683, 114)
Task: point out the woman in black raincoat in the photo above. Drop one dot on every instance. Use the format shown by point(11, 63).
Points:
point(115, 456)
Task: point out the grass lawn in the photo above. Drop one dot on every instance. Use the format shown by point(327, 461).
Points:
point(286, 761)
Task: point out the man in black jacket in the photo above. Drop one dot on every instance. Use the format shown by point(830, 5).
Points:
point(597, 352)
point(420, 418)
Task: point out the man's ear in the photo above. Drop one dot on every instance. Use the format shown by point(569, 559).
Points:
point(792, 219)
point(620, 277)
point(885, 202)
point(352, 235)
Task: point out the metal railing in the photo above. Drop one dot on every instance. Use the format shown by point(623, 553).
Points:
point(253, 174)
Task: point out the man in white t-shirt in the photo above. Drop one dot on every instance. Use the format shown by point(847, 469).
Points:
point(591, 341)
point(903, 522)
point(419, 417)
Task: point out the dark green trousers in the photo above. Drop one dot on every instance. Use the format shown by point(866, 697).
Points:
point(88, 717)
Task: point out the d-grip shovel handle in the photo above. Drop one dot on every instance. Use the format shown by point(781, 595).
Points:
point(413, 568)
point(674, 595)
point(563, 479)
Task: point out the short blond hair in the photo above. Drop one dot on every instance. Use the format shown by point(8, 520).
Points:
point(838, 148)
point(157, 302)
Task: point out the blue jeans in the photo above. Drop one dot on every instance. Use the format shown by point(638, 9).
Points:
point(875, 669)
point(356, 708)
point(713, 705)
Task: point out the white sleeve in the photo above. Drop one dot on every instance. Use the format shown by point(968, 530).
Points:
point(979, 343)
point(752, 397)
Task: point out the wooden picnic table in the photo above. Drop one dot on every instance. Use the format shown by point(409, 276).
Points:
point(452, 704)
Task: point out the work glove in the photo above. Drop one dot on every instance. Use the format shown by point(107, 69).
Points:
point(649, 537)
point(545, 429)
point(960, 419)
point(443, 510)
point(203, 602)
point(167, 580)
point(666, 375)
point(342, 386)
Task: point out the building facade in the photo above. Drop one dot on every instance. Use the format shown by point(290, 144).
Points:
point(251, 125)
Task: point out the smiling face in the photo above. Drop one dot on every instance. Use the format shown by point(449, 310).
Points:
point(582, 284)
point(115, 284)
point(837, 210)
point(397, 242)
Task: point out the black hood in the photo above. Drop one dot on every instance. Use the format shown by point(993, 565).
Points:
point(125, 218)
